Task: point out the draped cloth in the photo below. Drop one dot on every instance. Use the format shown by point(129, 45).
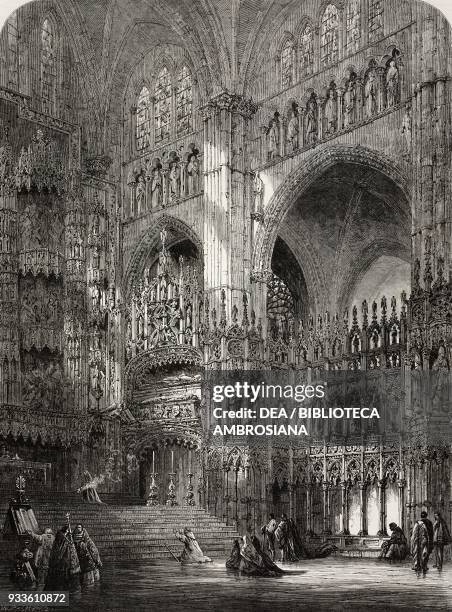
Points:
point(253, 561)
point(420, 546)
point(396, 548)
point(192, 552)
point(88, 557)
point(64, 567)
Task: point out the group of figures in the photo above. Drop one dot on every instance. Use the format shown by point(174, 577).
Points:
point(62, 562)
point(339, 108)
point(426, 537)
point(252, 557)
point(162, 182)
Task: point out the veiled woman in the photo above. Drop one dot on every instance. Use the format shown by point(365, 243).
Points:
point(88, 556)
point(254, 562)
point(89, 489)
point(192, 552)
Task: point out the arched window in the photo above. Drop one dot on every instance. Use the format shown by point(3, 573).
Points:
point(143, 120)
point(329, 36)
point(287, 64)
point(353, 26)
point(375, 19)
point(13, 51)
point(184, 102)
point(162, 117)
point(307, 51)
point(48, 67)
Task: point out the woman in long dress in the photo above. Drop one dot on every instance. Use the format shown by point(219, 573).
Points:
point(192, 552)
point(254, 562)
point(88, 556)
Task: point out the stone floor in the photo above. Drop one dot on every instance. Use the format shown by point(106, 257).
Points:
point(332, 584)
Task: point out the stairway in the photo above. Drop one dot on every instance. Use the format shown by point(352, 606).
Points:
point(125, 529)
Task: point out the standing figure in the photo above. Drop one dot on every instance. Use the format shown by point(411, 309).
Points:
point(156, 184)
point(140, 195)
point(192, 552)
point(64, 567)
point(349, 103)
point(89, 489)
point(23, 575)
point(282, 537)
point(273, 137)
point(174, 181)
point(268, 531)
point(370, 94)
point(392, 84)
point(311, 120)
point(88, 556)
point(420, 546)
point(406, 128)
point(258, 192)
point(193, 174)
point(293, 130)
point(441, 537)
point(330, 110)
point(42, 554)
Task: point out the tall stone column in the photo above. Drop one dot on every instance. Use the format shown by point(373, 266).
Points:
point(227, 222)
point(9, 294)
point(382, 506)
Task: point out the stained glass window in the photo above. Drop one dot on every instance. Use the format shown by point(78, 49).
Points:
point(329, 35)
point(162, 117)
point(143, 120)
point(287, 64)
point(48, 67)
point(353, 25)
point(307, 51)
point(375, 19)
point(184, 102)
point(13, 51)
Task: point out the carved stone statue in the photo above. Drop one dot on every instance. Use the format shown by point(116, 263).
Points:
point(406, 128)
point(193, 174)
point(141, 194)
point(293, 129)
point(311, 119)
point(156, 181)
point(273, 137)
point(370, 94)
point(258, 192)
point(174, 179)
point(392, 84)
point(349, 103)
point(330, 110)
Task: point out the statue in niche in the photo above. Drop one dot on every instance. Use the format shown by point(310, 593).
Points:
point(293, 128)
point(440, 382)
point(330, 109)
point(370, 93)
point(140, 194)
point(406, 128)
point(392, 84)
point(258, 193)
point(273, 137)
point(311, 119)
point(193, 171)
point(349, 103)
point(156, 181)
point(174, 177)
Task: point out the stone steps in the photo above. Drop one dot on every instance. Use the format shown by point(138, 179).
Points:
point(127, 529)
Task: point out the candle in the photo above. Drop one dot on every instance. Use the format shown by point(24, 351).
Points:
point(153, 462)
point(172, 461)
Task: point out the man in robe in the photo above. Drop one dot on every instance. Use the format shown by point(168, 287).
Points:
point(420, 546)
point(42, 554)
point(441, 537)
point(192, 552)
point(282, 537)
point(88, 556)
point(89, 488)
point(429, 525)
point(64, 567)
point(268, 531)
point(23, 575)
point(396, 548)
point(248, 558)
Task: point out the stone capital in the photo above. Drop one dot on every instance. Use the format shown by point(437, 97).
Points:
point(231, 102)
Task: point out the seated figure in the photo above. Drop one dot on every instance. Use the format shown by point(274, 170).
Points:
point(396, 548)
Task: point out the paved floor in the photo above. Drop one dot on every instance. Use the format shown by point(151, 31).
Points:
point(322, 584)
